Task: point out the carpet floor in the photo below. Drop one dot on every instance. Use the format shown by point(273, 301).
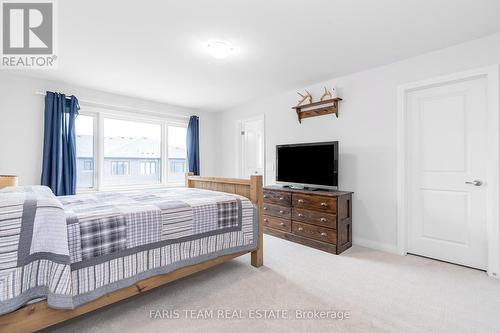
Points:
point(374, 291)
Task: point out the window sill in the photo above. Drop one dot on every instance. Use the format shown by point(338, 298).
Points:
point(128, 188)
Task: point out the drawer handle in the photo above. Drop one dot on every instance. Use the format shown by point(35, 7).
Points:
point(300, 215)
point(300, 229)
point(322, 219)
point(324, 234)
point(265, 208)
point(282, 223)
point(281, 198)
point(324, 204)
point(266, 196)
point(300, 201)
point(282, 212)
point(265, 220)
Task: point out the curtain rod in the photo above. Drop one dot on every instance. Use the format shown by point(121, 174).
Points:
point(121, 108)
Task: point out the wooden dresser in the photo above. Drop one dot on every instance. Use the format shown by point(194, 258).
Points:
point(319, 219)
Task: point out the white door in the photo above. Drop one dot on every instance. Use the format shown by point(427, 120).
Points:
point(447, 172)
point(251, 132)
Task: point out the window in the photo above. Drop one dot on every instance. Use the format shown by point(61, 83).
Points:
point(177, 153)
point(148, 168)
point(84, 128)
point(134, 150)
point(120, 168)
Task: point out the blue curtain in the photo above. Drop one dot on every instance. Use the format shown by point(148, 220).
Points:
point(59, 143)
point(193, 145)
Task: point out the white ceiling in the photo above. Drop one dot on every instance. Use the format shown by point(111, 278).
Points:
point(156, 49)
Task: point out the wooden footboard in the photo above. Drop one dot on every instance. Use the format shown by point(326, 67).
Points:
point(249, 188)
point(36, 316)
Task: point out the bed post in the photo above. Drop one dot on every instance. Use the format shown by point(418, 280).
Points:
point(257, 259)
point(186, 178)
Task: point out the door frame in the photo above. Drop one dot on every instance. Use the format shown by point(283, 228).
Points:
point(240, 145)
point(491, 74)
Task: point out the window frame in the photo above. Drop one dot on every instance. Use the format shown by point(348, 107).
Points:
point(99, 114)
point(121, 163)
point(175, 164)
point(88, 162)
point(149, 166)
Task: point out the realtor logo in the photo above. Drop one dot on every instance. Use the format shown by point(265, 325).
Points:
point(28, 34)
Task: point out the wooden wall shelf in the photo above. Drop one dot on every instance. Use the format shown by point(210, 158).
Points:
point(318, 108)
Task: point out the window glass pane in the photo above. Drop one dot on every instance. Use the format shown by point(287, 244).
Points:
point(128, 148)
point(84, 128)
point(177, 164)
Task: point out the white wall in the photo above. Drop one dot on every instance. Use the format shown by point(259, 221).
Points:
point(21, 123)
point(366, 129)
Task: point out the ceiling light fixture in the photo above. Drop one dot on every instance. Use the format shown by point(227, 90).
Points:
point(220, 50)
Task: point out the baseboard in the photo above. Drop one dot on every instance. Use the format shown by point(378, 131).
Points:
point(375, 245)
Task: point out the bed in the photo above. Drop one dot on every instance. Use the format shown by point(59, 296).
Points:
point(100, 248)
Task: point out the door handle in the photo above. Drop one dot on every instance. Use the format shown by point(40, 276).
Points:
point(475, 183)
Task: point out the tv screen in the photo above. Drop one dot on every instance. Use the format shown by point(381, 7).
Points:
point(308, 164)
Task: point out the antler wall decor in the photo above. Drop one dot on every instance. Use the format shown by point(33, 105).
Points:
point(304, 97)
point(328, 103)
point(326, 94)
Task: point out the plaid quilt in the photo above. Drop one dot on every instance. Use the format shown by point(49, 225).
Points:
point(105, 241)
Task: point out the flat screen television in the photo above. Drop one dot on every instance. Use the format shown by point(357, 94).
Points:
point(308, 164)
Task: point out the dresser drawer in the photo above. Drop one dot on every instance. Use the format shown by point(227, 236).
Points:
point(315, 202)
point(315, 232)
point(276, 210)
point(277, 223)
point(322, 219)
point(277, 197)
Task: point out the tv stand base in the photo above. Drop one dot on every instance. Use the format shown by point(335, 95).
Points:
point(306, 188)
